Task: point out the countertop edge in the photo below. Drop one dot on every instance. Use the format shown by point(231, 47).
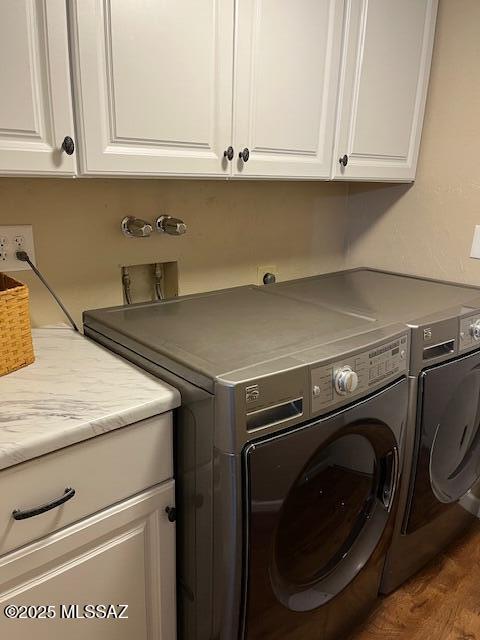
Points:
point(51, 442)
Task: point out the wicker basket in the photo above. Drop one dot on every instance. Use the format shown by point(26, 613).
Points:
point(16, 348)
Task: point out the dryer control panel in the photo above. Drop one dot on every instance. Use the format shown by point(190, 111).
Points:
point(469, 333)
point(340, 381)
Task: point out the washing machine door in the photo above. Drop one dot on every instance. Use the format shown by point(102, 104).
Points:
point(319, 501)
point(448, 433)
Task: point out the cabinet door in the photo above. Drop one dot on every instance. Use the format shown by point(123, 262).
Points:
point(286, 73)
point(35, 103)
point(124, 555)
point(153, 85)
point(385, 70)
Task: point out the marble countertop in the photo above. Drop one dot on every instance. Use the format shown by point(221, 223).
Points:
point(75, 390)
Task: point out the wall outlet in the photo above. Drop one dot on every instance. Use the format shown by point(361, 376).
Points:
point(263, 269)
point(13, 239)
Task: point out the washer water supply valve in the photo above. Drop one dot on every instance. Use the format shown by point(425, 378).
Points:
point(134, 227)
point(172, 226)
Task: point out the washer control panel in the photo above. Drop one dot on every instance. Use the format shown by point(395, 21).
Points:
point(469, 333)
point(337, 382)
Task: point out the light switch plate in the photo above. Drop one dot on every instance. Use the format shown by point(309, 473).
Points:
point(475, 250)
point(15, 238)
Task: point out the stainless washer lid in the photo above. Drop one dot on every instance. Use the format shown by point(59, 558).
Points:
point(220, 332)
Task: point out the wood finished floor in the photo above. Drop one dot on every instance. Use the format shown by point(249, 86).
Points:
point(442, 602)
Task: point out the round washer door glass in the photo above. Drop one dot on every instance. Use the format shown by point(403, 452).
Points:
point(318, 513)
point(455, 453)
point(340, 482)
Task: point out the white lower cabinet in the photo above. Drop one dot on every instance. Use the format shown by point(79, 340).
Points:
point(123, 555)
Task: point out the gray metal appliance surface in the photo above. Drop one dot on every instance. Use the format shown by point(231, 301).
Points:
point(442, 445)
point(286, 455)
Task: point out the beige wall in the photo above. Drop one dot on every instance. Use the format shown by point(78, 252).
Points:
point(427, 228)
point(302, 228)
point(232, 228)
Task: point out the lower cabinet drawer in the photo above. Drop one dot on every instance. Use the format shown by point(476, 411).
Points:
point(101, 472)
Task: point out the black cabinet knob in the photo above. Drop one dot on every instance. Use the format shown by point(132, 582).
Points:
point(68, 145)
point(171, 513)
point(344, 160)
point(229, 153)
point(244, 155)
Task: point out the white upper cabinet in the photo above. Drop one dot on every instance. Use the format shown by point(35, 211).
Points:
point(35, 97)
point(384, 79)
point(285, 87)
point(153, 85)
point(215, 88)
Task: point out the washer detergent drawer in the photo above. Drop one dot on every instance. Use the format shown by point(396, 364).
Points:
point(320, 504)
point(448, 439)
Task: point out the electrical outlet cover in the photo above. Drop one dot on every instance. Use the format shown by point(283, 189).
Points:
point(15, 238)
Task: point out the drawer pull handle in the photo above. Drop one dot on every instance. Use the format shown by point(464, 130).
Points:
point(19, 514)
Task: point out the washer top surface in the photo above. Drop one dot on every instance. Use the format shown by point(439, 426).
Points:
point(382, 296)
point(225, 331)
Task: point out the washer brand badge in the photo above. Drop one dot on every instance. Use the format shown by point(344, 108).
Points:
point(252, 393)
point(427, 334)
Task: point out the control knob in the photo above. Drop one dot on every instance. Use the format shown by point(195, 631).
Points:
point(475, 330)
point(346, 380)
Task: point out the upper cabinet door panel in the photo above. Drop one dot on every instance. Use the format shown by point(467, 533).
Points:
point(286, 74)
point(385, 70)
point(153, 85)
point(35, 103)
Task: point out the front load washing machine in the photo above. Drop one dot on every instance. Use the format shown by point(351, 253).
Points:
point(442, 445)
point(318, 520)
point(438, 503)
point(286, 456)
